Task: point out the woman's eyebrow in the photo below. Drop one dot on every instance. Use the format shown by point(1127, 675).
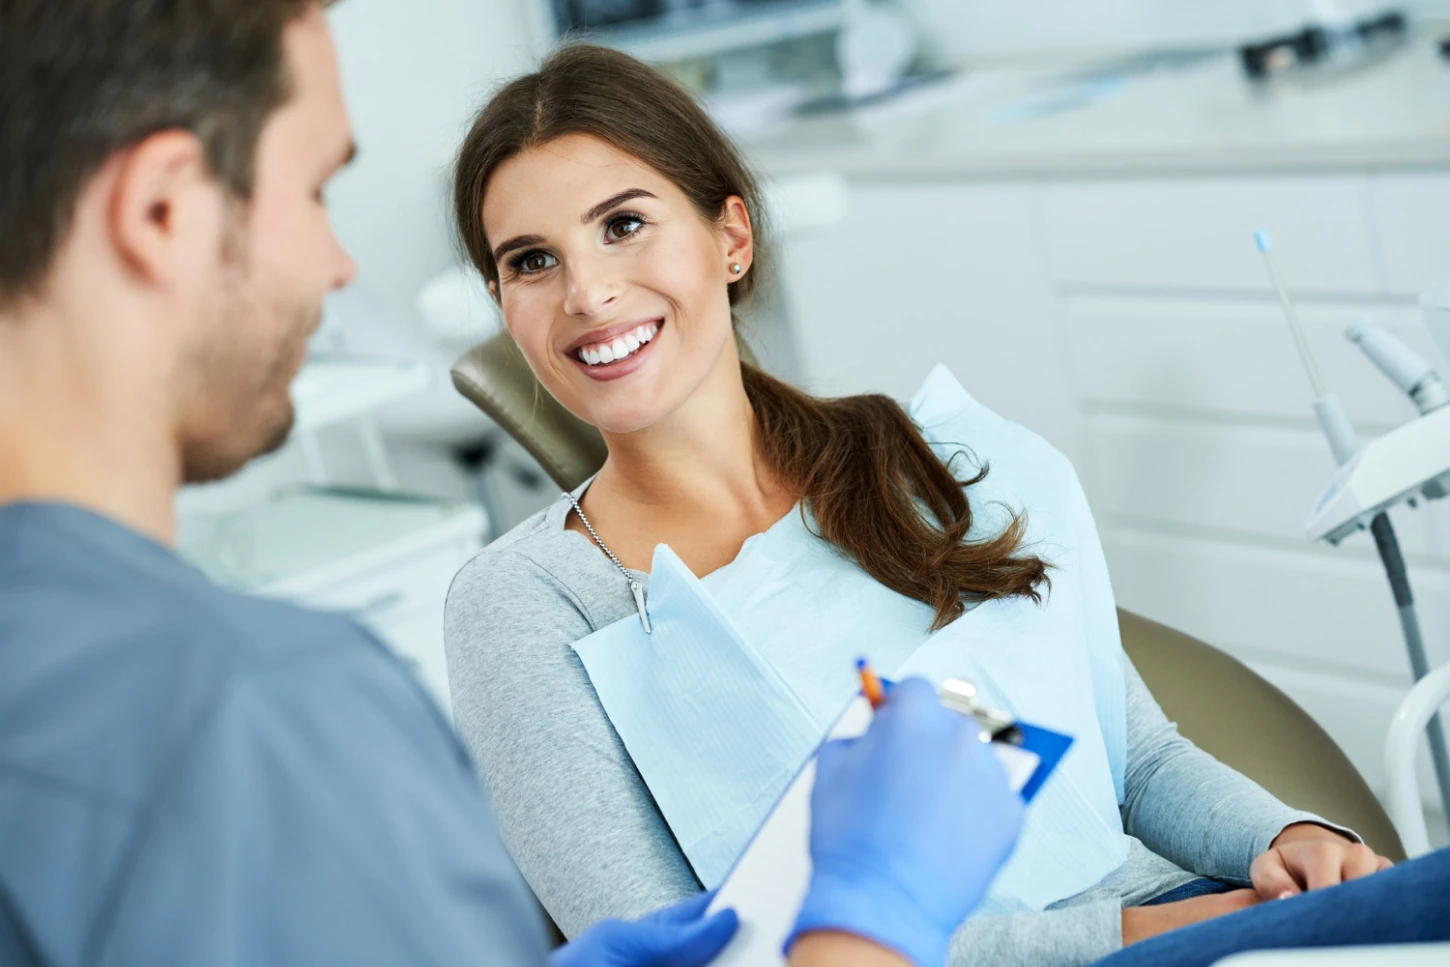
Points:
point(612, 201)
point(518, 241)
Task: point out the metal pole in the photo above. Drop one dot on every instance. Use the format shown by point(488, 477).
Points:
point(1389, 548)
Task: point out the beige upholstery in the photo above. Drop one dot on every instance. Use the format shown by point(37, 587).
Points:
point(1217, 702)
point(496, 378)
point(1238, 717)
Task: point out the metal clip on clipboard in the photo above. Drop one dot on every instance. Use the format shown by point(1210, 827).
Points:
point(960, 695)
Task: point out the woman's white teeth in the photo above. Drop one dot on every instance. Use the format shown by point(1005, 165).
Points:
point(620, 347)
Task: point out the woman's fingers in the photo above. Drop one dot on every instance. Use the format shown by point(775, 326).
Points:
point(1317, 864)
point(1272, 877)
point(1314, 864)
point(1384, 863)
point(1359, 860)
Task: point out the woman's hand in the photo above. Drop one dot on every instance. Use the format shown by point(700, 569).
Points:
point(1140, 923)
point(1307, 856)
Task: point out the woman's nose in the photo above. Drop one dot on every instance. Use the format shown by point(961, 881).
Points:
point(591, 289)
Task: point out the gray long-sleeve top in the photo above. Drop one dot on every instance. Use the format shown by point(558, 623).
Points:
point(585, 832)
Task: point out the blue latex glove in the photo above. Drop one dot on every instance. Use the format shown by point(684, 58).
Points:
point(909, 825)
point(677, 936)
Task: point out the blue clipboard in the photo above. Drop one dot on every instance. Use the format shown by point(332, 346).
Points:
point(1049, 747)
point(769, 879)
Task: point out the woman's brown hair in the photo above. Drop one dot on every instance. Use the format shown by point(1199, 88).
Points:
point(859, 464)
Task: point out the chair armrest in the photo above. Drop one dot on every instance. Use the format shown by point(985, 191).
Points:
point(1402, 744)
point(1234, 715)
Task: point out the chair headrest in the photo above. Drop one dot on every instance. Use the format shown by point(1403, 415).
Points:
point(496, 378)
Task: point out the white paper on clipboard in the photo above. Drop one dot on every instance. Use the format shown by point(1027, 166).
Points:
point(769, 881)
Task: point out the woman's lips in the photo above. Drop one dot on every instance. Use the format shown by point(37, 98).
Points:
point(609, 334)
point(641, 337)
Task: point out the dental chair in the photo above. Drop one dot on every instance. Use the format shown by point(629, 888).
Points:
point(1218, 703)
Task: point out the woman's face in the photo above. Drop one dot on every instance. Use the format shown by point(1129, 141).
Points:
point(610, 281)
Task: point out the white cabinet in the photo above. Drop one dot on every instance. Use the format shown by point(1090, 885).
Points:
point(917, 275)
point(1228, 359)
point(386, 561)
point(1198, 233)
point(1411, 213)
point(1259, 601)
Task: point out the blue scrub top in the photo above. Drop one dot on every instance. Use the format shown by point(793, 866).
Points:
point(192, 776)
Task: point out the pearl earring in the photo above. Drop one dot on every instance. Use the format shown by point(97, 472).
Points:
point(735, 268)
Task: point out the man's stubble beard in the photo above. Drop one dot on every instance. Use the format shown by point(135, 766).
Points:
point(236, 404)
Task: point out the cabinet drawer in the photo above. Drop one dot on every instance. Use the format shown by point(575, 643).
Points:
point(1233, 357)
point(416, 635)
point(389, 587)
point(1410, 213)
point(1332, 612)
point(1256, 482)
point(1199, 233)
point(962, 284)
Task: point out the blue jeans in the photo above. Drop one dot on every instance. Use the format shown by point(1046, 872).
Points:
point(1193, 888)
point(1409, 903)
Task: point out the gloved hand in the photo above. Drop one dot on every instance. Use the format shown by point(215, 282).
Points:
point(677, 936)
point(909, 825)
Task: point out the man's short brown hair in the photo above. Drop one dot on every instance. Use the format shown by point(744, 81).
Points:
point(82, 79)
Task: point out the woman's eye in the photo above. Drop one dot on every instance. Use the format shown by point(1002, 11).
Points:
point(623, 227)
point(535, 262)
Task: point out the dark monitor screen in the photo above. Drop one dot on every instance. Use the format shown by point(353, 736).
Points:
point(582, 15)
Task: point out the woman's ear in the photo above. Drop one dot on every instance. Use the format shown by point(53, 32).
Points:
point(493, 290)
point(736, 233)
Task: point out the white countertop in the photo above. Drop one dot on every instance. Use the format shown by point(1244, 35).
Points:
point(1197, 115)
point(332, 389)
point(280, 539)
point(1401, 955)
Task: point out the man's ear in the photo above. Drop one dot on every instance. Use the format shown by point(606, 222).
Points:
point(166, 209)
point(736, 230)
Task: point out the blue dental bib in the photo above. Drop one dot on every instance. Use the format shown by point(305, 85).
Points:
point(747, 668)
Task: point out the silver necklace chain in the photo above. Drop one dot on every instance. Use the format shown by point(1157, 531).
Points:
point(595, 534)
point(635, 588)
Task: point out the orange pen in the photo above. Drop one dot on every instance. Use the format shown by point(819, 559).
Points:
point(870, 684)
